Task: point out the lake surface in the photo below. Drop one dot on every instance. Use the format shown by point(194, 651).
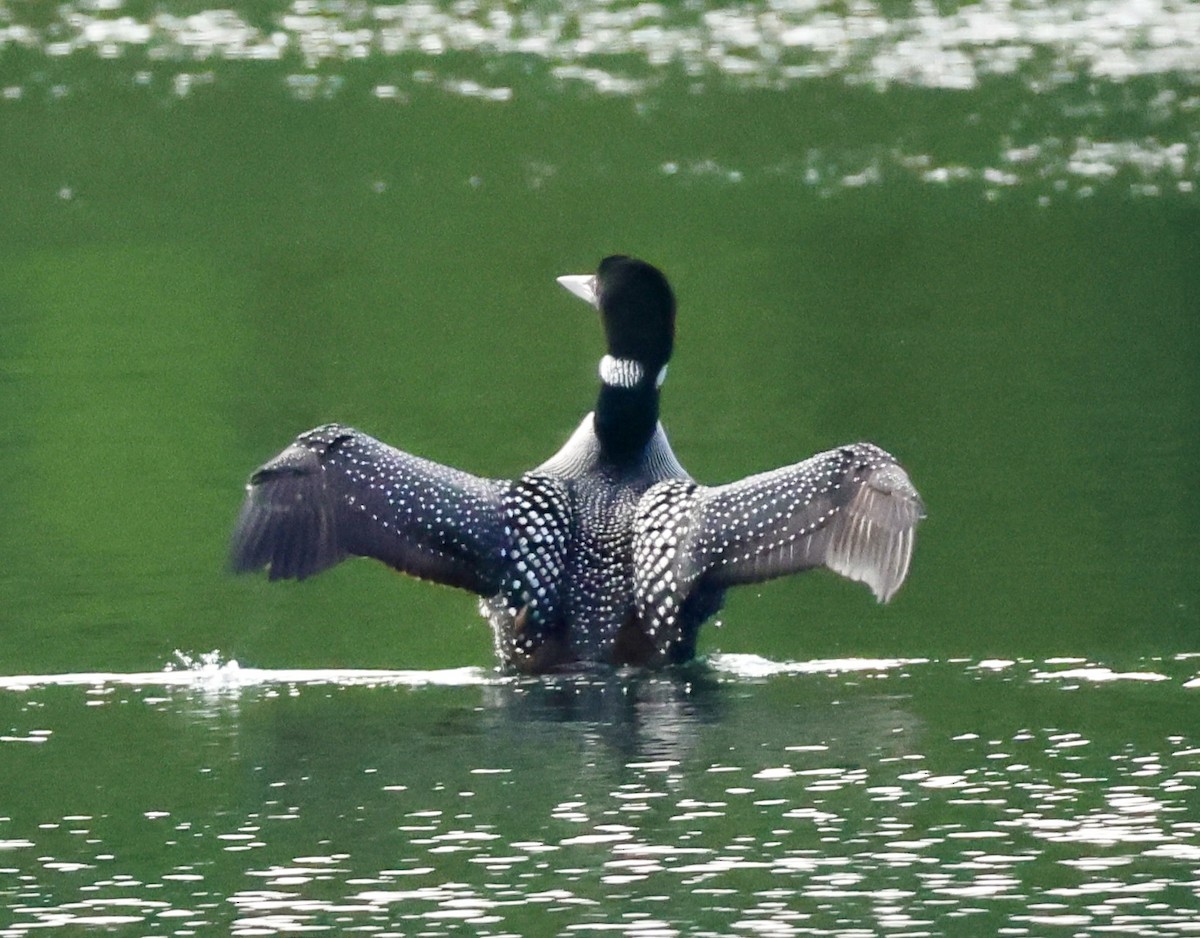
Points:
point(842, 797)
point(968, 232)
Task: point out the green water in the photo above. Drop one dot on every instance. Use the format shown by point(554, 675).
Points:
point(968, 233)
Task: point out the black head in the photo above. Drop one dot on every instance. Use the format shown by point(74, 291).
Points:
point(636, 306)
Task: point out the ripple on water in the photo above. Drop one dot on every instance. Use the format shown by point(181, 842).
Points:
point(760, 43)
point(1088, 96)
point(819, 798)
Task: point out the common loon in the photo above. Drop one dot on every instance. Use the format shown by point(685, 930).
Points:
point(607, 553)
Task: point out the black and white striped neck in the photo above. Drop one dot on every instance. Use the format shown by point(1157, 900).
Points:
point(627, 407)
point(627, 372)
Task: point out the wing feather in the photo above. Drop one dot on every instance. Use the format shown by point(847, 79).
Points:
point(852, 509)
point(336, 492)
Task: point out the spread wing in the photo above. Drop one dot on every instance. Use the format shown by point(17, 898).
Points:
point(336, 492)
point(852, 509)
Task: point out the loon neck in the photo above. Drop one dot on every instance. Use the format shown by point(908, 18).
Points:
point(627, 408)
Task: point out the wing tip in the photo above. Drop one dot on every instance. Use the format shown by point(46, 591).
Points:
point(285, 524)
point(873, 543)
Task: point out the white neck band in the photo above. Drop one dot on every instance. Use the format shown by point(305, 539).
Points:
point(626, 372)
point(621, 372)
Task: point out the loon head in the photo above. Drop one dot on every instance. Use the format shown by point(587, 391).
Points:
point(637, 309)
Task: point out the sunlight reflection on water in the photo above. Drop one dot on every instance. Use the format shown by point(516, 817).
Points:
point(465, 801)
point(1096, 94)
point(762, 43)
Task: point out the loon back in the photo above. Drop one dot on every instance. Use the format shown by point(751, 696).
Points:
point(608, 552)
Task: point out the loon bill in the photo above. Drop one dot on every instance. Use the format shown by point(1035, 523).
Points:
point(608, 552)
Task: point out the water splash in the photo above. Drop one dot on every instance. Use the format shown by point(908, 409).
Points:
point(212, 672)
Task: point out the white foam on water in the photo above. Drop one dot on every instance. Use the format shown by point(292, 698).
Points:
point(209, 672)
point(757, 666)
point(1097, 674)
